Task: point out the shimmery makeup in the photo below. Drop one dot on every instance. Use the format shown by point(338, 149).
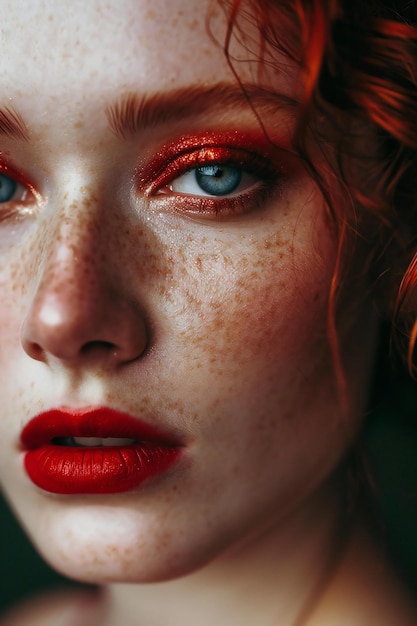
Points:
point(251, 143)
point(251, 152)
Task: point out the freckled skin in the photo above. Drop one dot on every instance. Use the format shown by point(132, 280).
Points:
point(214, 330)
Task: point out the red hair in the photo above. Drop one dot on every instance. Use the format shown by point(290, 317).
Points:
point(359, 63)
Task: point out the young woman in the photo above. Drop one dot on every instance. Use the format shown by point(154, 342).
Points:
point(205, 217)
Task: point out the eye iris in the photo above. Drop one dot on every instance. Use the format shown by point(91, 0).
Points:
point(218, 180)
point(8, 188)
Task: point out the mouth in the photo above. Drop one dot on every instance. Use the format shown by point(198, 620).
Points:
point(94, 451)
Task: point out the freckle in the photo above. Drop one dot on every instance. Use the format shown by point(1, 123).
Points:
point(111, 550)
point(193, 24)
point(181, 254)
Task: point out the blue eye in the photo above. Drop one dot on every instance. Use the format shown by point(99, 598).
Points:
point(8, 188)
point(215, 179)
point(218, 180)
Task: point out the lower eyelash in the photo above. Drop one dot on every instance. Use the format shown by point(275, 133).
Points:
point(209, 207)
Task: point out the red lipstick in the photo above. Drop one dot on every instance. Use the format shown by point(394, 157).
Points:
point(57, 461)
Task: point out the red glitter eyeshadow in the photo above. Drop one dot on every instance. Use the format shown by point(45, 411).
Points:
point(270, 165)
point(197, 150)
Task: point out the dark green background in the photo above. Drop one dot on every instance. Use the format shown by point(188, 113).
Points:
point(392, 442)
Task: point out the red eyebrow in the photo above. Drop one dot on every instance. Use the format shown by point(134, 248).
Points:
point(133, 112)
point(12, 124)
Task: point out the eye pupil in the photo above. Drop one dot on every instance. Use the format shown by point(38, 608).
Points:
point(8, 188)
point(218, 180)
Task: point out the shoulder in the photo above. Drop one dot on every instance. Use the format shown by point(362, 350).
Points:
point(63, 608)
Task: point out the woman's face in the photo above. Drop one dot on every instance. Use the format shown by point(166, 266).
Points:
point(159, 257)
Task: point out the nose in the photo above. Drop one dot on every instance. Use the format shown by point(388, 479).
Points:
point(80, 312)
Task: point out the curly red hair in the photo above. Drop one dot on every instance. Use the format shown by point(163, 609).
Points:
point(359, 61)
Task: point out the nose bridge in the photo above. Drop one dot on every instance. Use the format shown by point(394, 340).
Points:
point(71, 251)
point(77, 307)
point(67, 281)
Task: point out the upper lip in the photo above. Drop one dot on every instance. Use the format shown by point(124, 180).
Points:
point(89, 422)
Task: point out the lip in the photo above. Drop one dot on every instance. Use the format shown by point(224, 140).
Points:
point(61, 468)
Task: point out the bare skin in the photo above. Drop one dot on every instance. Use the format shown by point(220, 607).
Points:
point(141, 294)
point(360, 591)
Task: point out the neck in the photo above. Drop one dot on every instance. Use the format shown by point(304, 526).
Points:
point(281, 571)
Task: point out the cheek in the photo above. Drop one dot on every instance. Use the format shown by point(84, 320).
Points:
point(20, 268)
point(253, 310)
point(14, 383)
point(245, 350)
point(249, 344)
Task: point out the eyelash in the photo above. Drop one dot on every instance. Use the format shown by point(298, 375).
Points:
point(250, 164)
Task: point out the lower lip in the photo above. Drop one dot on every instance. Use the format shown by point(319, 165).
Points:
point(83, 470)
point(72, 469)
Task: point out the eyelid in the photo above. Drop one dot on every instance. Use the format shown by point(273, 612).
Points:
point(247, 161)
point(225, 146)
point(272, 162)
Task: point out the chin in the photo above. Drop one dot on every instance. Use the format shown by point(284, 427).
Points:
point(105, 563)
point(114, 545)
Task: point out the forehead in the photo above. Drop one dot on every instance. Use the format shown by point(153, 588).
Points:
point(92, 40)
point(61, 52)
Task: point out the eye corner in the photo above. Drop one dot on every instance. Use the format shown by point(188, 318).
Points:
point(16, 188)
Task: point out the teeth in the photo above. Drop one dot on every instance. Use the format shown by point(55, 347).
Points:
point(102, 441)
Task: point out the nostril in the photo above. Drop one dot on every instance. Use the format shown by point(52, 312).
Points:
point(34, 350)
point(98, 347)
point(98, 326)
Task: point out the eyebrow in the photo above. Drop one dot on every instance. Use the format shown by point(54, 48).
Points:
point(12, 124)
point(133, 112)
